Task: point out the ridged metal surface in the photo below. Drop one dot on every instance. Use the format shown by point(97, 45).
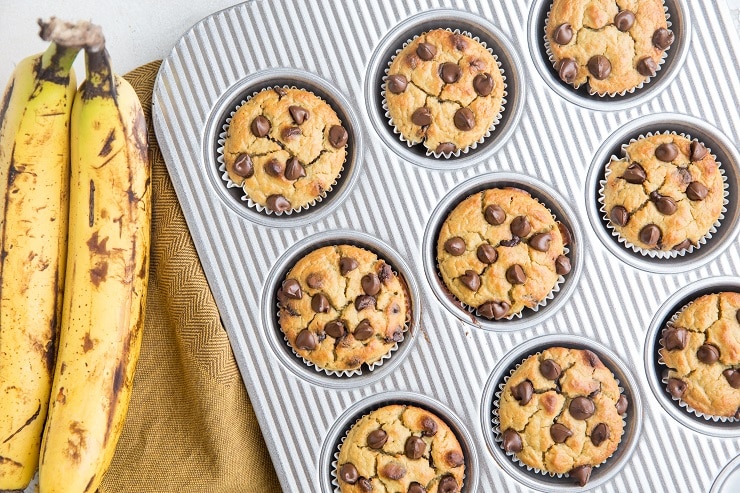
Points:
point(554, 141)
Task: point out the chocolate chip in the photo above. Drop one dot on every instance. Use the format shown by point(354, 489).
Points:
point(676, 387)
point(306, 340)
point(675, 338)
point(663, 38)
point(495, 310)
point(292, 289)
point(581, 474)
point(486, 253)
point(697, 150)
point(460, 42)
point(298, 113)
point(260, 126)
point(560, 433)
point(422, 117)
point(666, 152)
point(393, 470)
point(449, 72)
point(624, 20)
point(364, 301)
point(426, 51)
point(290, 132)
point(278, 203)
point(684, 245)
point(348, 473)
point(470, 280)
point(454, 458)
point(600, 434)
point(428, 426)
point(483, 84)
point(647, 66)
point(294, 169)
point(414, 447)
point(448, 484)
point(540, 242)
point(665, 205)
point(335, 329)
point(280, 91)
point(364, 330)
point(494, 215)
point(565, 233)
point(397, 83)
point(550, 369)
point(243, 166)
point(733, 378)
point(696, 191)
point(320, 303)
point(445, 148)
point(562, 265)
point(563, 34)
point(523, 392)
point(622, 404)
point(599, 66)
point(464, 119)
point(370, 284)
point(515, 274)
point(455, 246)
point(377, 438)
point(581, 408)
point(591, 359)
point(314, 280)
point(273, 167)
point(567, 70)
point(338, 136)
point(707, 353)
point(347, 264)
point(512, 442)
point(520, 226)
point(619, 215)
point(415, 487)
point(634, 174)
point(685, 176)
point(650, 235)
point(385, 273)
point(366, 486)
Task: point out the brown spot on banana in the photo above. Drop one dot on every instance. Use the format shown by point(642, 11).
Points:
point(89, 484)
point(119, 380)
point(88, 343)
point(9, 462)
point(76, 442)
point(61, 395)
point(99, 273)
point(50, 352)
point(28, 422)
point(96, 245)
point(108, 145)
point(91, 219)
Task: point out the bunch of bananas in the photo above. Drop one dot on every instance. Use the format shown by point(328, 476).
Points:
point(75, 217)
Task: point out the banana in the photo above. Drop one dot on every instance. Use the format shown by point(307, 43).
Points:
point(34, 175)
point(107, 272)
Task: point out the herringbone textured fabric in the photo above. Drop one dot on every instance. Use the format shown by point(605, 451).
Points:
point(190, 425)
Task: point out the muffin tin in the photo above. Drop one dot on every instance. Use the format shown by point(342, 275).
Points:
point(391, 198)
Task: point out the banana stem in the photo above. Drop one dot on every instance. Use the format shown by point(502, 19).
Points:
point(67, 39)
point(99, 81)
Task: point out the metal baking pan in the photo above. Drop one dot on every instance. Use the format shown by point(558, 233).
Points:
point(391, 194)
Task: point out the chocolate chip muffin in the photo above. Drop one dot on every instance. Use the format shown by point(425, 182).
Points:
point(613, 45)
point(444, 90)
point(561, 412)
point(286, 148)
point(701, 349)
point(500, 250)
point(665, 194)
point(401, 449)
point(341, 307)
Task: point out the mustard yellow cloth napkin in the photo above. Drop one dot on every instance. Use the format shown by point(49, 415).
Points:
point(190, 426)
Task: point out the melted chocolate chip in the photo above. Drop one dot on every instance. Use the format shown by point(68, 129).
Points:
point(523, 392)
point(449, 72)
point(280, 92)
point(348, 473)
point(335, 329)
point(260, 126)
point(675, 338)
point(376, 439)
point(273, 167)
point(560, 433)
point(470, 280)
point(454, 458)
point(306, 340)
point(421, 117)
point(486, 253)
point(364, 330)
point(278, 203)
point(364, 301)
point(455, 246)
point(684, 245)
point(567, 70)
point(622, 404)
point(540, 242)
point(708, 353)
point(448, 484)
point(483, 84)
point(495, 310)
point(665, 205)
point(464, 119)
point(676, 387)
point(634, 174)
point(581, 408)
point(563, 34)
point(650, 235)
point(338, 136)
point(520, 226)
point(696, 191)
point(494, 215)
point(666, 152)
point(550, 369)
point(565, 233)
point(299, 114)
point(415, 487)
point(347, 264)
point(647, 66)
point(393, 470)
point(697, 151)
point(581, 474)
point(243, 166)
point(294, 169)
point(366, 485)
point(370, 284)
point(599, 66)
point(600, 434)
point(320, 303)
point(733, 378)
point(562, 265)
point(414, 447)
point(619, 215)
point(385, 273)
point(290, 132)
point(624, 20)
point(515, 274)
point(426, 51)
point(314, 280)
point(445, 148)
point(685, 176)
point(428, 426)
point(397, 83)
point(591, 359)
point(663, 38)
point(512, 442)
point(292, 289)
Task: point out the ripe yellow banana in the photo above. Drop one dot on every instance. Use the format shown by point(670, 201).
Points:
point(107, 272)
point(34, 175)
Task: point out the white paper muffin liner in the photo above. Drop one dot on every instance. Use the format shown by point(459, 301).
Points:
point(230, 183)
point(661, 254)
point(553, 61)
point(664, 379)
point(498, 433)
point(335, 462)
point(457, 152)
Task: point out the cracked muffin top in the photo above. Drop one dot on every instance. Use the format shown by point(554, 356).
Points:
point(500, 250)
point(400, 449)
point(285, 147)
point(665, 194)
point(561, 412)
point(341, 307)
point(614, 45)
point(702, 351)
point(444, 90)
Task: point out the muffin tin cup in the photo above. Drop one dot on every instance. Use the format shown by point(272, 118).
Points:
point(721, 147)
point(338, 432)
point(454, 20)
point(307, 370)
point(233, 194)
point(543, 194)
point(654, 366)
point(728, 480)
point(542, 480)
point(458, 152)
point(661, 254)
point(673, 58)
